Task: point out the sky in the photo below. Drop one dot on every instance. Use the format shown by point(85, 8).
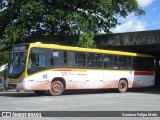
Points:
point(149, 21)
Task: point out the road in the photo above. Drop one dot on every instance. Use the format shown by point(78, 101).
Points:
point(102, 100)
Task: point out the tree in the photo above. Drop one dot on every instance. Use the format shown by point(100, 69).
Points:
point(4, 57)
point(21, 19)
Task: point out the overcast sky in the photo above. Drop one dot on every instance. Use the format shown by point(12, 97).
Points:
point(150, 21)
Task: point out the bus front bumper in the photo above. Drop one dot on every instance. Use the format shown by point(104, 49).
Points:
point(30, 85)
point(11, 85)
point(18, 86)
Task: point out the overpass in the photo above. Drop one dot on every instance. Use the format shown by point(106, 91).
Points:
point(143, 42)
point(147, 42)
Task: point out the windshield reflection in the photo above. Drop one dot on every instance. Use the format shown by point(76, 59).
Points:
point(17, 64)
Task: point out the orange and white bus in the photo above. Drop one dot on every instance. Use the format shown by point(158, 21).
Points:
point(55, 68)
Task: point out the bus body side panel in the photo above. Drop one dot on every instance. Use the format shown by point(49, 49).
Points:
point(38, 81)
point(143, 79)
point(74, 78)
point(112, 78)
point(86, 79)
point(94, 79)
point(97, 79)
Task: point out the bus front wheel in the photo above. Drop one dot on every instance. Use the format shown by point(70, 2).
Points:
point(122, 86)
point(56, 88)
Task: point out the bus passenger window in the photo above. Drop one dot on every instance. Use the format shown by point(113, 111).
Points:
point(106, 60)
point(57, 59)
point(52, 62)
point(65, 62)
point(143, 64)
point(71, 59)
point(110, 61)
point(124, 62)
point(80, 59)
point(91, 62)
point(99, 60)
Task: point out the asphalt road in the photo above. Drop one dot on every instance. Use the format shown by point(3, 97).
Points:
point(147, 99)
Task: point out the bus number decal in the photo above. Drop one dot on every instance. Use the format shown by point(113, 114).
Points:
point(64, 73)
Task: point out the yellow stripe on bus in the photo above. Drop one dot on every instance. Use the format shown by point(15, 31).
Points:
point(60, 47)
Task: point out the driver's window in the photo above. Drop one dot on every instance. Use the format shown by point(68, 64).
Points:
point(37, 60)
point(42, 60)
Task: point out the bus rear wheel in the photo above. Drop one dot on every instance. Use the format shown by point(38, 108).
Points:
point(56, 88)
point(122, 86)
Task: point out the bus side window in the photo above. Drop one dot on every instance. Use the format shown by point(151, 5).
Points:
point(65, 61)
point(110, 62)
point(71, 59)
point(99, 60)
point(91, 63)
point(106, 60)
point(56, 59)
point(37, 60)
point(31, 61)
point(124, 62)
point(42, 60)
point(143, 64)
point(52, 61)
point(80, 59)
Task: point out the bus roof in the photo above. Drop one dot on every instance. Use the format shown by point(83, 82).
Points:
point(70, 48)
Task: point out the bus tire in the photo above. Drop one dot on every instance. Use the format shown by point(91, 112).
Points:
point(39, 92)
point(56, 88)
point(122, 86)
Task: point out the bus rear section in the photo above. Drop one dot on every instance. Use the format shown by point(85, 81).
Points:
point(143, 79)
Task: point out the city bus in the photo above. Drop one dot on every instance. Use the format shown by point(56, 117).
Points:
point(55, 68)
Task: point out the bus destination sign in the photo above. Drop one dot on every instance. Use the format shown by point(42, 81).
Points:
point(19, 48)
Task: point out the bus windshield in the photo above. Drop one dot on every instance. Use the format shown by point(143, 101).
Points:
point(17, 64)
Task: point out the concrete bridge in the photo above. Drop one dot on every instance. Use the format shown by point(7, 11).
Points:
point(143, 42)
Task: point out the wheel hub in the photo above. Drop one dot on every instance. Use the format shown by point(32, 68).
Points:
point(56, 88)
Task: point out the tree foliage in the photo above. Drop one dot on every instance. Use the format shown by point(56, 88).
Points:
point(21, 19)
point(4, 57)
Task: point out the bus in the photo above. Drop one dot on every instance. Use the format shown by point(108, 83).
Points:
point(55, 68)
